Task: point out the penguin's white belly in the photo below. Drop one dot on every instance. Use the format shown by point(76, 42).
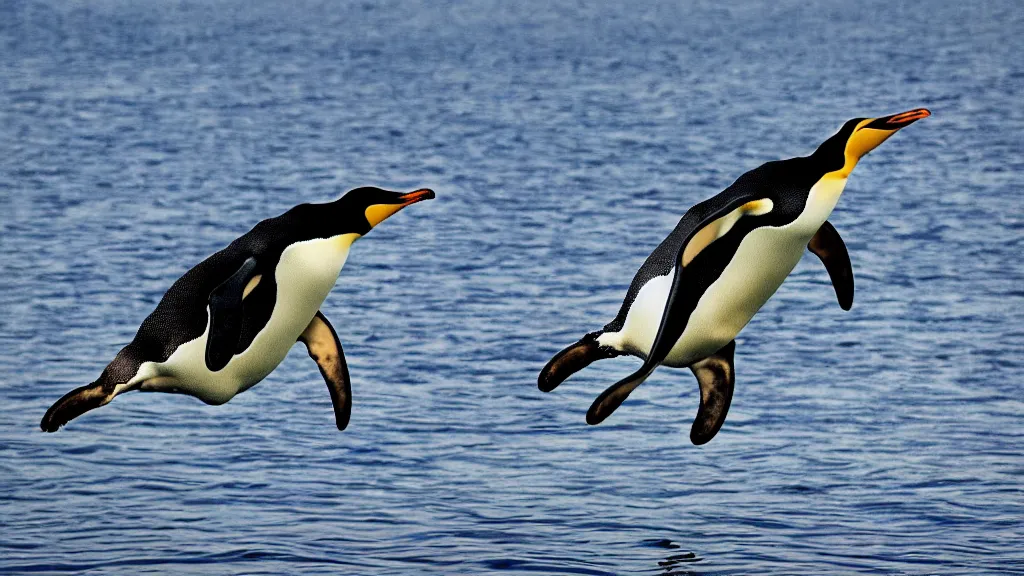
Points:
point(305, 275)
point(761, 263)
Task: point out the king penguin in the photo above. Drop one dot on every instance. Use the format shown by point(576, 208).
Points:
point(720, 264)
point(229, 321)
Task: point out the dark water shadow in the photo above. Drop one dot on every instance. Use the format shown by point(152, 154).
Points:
point(676, 564)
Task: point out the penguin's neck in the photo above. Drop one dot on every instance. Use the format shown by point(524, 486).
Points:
point(315, 264)
point(821, 200)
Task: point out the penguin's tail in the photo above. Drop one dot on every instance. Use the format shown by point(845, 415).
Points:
point(75, 403)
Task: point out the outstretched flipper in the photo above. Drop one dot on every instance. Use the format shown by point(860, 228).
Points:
point(570, 361)
point(226, 315)
point(322, 343)
point(708, 225)
point(828, 245)
point(716, 377)
point(75, 403)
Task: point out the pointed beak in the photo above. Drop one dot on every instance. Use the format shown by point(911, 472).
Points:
point(897, 121)
point(416, 196)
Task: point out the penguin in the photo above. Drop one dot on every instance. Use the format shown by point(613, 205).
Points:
point(718, 267)
point(229, 321)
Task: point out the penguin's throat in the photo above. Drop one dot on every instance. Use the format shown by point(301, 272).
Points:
point(821, 200)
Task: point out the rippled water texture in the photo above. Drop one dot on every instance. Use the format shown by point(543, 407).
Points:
point(137, 137)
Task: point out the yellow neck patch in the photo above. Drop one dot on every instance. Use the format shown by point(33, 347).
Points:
point(379, 212)
point(862, 141)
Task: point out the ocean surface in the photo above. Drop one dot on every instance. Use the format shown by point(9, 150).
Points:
point(564, 141)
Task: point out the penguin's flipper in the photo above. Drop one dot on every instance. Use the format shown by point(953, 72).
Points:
point(716, 377)
point(706, 223)
point(226, 316)
point(828, 245)
point(324, 348)
point(570, 361)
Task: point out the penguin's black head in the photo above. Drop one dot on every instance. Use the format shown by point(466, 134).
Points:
point(371, 206)
point(859, 136)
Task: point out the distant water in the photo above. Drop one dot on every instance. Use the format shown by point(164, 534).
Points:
point(137, 137)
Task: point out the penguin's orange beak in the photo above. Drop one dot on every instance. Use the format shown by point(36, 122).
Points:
point(417, 196)
point(897, 121)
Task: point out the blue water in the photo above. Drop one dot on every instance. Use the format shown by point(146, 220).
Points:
point(564, 142)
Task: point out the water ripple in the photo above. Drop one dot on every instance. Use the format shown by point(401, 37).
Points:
point(564, 142)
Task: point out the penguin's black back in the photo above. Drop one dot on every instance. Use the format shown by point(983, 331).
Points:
point(181, 315)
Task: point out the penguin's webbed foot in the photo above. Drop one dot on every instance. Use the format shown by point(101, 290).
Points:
point(716, 377)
